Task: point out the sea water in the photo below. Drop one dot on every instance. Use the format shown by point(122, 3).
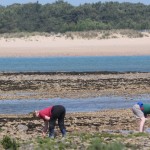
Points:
point(76, 64)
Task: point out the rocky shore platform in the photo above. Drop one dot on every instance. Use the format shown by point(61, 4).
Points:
point(109, 125)
point(36, 85)
point(82, 128)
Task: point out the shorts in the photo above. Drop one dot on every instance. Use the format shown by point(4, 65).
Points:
point(137, 111)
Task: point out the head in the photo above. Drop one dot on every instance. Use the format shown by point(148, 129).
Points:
point(140, 104)
point(36, 113)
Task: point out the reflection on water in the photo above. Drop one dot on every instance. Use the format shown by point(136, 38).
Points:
point(72, 105)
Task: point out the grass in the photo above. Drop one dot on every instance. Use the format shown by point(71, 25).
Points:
point(9, 143)
point(99, 34)
point(1, 129)
point(89, 141)
point(138, 135)
point(97, 145)
point(51, 144)
point(80, 141)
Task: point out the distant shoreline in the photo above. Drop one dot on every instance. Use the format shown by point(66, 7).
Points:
point(42, 46)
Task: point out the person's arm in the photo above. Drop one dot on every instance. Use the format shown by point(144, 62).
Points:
point(47, 118)
point(45, 128)
point(44, 117)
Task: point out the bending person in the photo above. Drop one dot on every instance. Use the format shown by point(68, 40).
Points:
point(50, 115)
point(141, 111)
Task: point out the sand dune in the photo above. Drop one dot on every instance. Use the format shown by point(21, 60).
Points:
point(60, 46)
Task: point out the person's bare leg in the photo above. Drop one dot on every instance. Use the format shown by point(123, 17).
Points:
point(142, 122)
point(138, 124)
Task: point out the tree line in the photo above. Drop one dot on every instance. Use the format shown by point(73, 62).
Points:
point(61, 16)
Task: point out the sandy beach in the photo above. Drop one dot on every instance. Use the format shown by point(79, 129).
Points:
point(42, 46)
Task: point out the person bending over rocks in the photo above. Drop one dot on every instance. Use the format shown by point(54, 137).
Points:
point(50, 115)
point(141, 111)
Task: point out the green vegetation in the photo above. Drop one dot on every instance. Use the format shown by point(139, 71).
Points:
point(99, 34)
point(89, 141)
point(1, 129)
point(97, 145)
point(139, 134)
point(51, 144)
point(61, 16)
point(9, 143)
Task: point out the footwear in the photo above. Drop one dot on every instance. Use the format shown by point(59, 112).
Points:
point(63, 131)
point(51, 137)
point(51, 134)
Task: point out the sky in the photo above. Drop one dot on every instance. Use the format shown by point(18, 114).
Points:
point(73, 2)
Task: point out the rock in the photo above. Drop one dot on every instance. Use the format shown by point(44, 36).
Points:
point(21, 127)
point(147, 130)
point(27, 147)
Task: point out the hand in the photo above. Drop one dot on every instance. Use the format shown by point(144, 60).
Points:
point(43, 134)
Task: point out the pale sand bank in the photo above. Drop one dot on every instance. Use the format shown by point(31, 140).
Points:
point(60, 46)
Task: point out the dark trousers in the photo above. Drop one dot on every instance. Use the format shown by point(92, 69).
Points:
point(58, 112)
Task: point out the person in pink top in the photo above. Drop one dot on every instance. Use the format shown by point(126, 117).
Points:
point(50, 115)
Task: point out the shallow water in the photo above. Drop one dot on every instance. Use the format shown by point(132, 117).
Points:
point(72, 105)
point(76, 64)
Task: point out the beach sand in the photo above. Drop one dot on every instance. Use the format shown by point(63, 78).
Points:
point(41, 46)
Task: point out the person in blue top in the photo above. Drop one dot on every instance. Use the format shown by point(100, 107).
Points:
point(141, 111)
